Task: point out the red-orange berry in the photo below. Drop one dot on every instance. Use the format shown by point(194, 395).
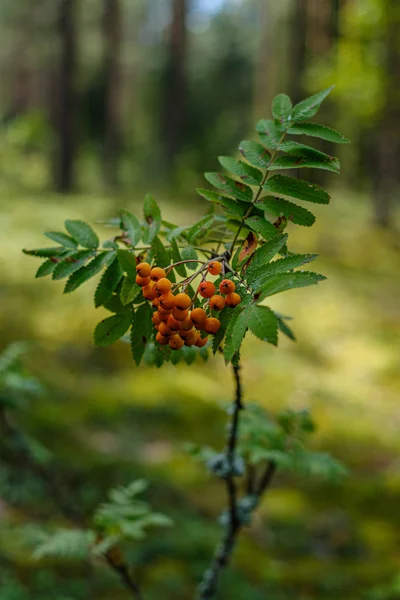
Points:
point(163, 311)
point(156, 318)
point(157, 273)
point(227, 286)
point(176, 342)
point(201, 341)
point(214, 267)
point(156, 301)
point(143, 269)
point(173, 324)
point(217, 302)
point(161, 339)
point(182, 301)
point(180, 315)
point(198, 317)
point(186, 324)
point(212, 325)
point(163, 286)
point(191, 337)
point(143, 281)
point(206, 289)
point(149, 291)
point(232, 299)
point(184, 334)
point(164, 329)
point(167, 301)
point(163, 315)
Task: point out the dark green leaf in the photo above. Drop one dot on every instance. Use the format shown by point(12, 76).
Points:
point(291, 188)
point(131, 226)
point(268, 133)
point(176, 257)
point(111, 329)
point(61, 238)
point(158, 253)
point(236, 331)
point(263, 324)
point(255, 153)
point(265, 253)
point(224, 317)
point(281, 107)
point(189, 253)
point(141, 331)
point(86, 272)
point(287, 281)
point(152, 216)
point(282, 265)
point(231, 205)
point(114, 305)
point(128, 263)
point(310, 106)
point(330, 163)
point(46, 268)
point(284, 328)
point(200, 229)
point(262, 226)
point(319, 131)
point(56, 251)
point(129, 291)
point(247, 173)
point(82, 233)
point(300, 162)
point(237, 189)
point(109, 281)
point(293, 212)
point(173, 234)
point(72, 263)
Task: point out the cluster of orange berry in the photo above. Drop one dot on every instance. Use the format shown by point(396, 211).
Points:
point(175, 319)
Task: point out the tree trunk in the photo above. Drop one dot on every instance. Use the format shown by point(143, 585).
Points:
point(112, 91)
point(175, 83)
point(66, 97)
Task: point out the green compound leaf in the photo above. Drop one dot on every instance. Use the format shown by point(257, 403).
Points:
point(287, 281)
point(158, 253)
point(265, 253)
point(247, 173)
point(229, 204)
point(200, 229)
point(235, 332)
point(319, 131)
point(263, 323)
point(282, 265)
point(152, 216)
point(325, 161)
point(268, 133)
point(224, 318)
point(131, 226)
point(310, 106)
point(53, 252)
point(127, 260)
point(141, 332)
point(292, 212)
point(176, 257)
point(71, 263)
point(256, 154)
point(301, 162)
point(234, 188)
point(129, 291)
point(261, 226)
point(88, 271)
point(46, 268)
point(109, 281)
point(61, 238)
point(281, 107)
point(290, 188)
point(82, 233)
point(112, 329)
point(284, 327)
point(189, 253)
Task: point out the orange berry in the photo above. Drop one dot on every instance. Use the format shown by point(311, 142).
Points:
point(191, 337)
point(156, 318)
point(182, 301)
point(186, 333)
point(173, 324)
point(143, 281)
point(186, 324)
point(176, 342)
point(232, 299)
point(149, 291)
point(212, 325)
point(143, 269)
point(201, 341)
point(157, 273)
point(163, 311)
point(156, 301)
point(163, 286)
point(206, 289)
point(214, 267)
point(227, 286)
point(164, 315)
point(161, 339)
point(217, 302)
point(198, 317)
point(164, 329)
point(180, 315)
point(167, 301)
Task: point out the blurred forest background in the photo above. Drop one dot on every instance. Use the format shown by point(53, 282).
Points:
point(104, 100)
